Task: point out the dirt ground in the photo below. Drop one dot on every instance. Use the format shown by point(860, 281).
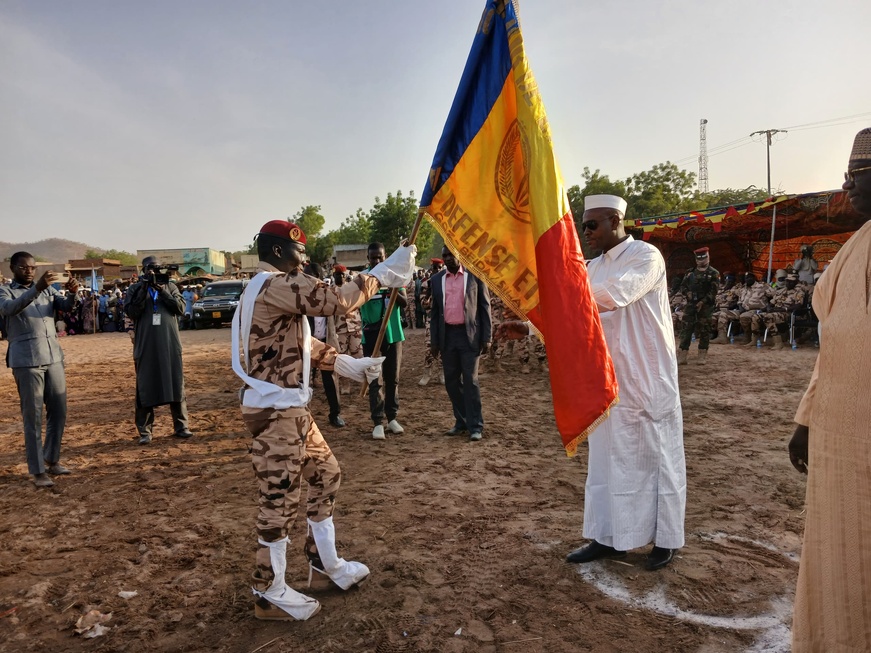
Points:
point(466, 541)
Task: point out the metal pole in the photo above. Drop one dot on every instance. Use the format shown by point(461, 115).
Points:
point(768, 134)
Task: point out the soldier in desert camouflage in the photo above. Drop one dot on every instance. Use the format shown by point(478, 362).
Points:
point(287, 447)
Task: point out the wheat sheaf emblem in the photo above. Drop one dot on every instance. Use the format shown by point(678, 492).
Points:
point(512, 176)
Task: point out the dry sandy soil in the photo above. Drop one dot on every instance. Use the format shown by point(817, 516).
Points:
point(466, 541)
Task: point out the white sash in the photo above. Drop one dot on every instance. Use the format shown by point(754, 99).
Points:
point(262, 394)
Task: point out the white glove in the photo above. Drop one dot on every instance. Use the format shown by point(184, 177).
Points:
point(396, 271)
point(358, 369)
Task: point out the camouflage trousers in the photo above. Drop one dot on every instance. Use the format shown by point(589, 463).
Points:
point(774, 319)
point(523, 348)
point(722, 318)
point(284, 451)
point(677, 320)
point(351, 344)
point(428, 358)
point(751, 322)
point(695, 321)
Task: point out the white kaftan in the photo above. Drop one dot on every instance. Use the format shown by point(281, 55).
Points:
point(636, 481)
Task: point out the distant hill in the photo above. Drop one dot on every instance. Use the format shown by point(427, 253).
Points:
point(54, 250)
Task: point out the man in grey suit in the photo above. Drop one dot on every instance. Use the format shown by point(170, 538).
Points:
point(37, 361)
point(460, 329)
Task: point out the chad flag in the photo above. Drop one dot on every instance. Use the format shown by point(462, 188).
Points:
point(496, 194)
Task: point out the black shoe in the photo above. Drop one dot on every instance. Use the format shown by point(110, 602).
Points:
point(182, 434)
point(594, 551)
point(337, 421)
point(658, 558)
point(145, 439)
point(457, 430)
point(56, 469)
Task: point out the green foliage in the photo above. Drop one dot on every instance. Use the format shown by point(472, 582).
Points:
point(310, 220)
point(355, 229)
point(322, 248)
point(393, 219)
point(126, 258)
point(664, 188)
point(728, 197)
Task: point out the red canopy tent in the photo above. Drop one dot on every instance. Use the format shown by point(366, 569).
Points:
point(739, 237)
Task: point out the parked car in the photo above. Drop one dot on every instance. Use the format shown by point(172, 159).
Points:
point(218, 303)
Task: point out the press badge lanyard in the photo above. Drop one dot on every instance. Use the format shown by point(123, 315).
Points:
point(155, 316)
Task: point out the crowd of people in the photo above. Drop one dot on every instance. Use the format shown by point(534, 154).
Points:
point(718, 311)
point(290, 322)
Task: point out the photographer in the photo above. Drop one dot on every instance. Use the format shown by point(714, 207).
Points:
point(806, 266)
point(154, 306)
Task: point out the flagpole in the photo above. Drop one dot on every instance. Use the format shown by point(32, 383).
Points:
point(394, 293)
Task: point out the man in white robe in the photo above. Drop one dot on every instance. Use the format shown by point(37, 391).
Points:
point(636, 478)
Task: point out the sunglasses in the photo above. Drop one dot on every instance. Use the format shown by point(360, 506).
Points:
point(850, 175)
point(590, 225)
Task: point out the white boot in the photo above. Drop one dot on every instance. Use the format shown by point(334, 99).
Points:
point(343, 573)
point(424, 380)
point(299, 606)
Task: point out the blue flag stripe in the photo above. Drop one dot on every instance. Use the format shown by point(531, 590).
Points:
point(487, 67)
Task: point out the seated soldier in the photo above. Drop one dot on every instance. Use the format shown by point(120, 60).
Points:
point(786, 299)
point(727, 309)
point(753, 302)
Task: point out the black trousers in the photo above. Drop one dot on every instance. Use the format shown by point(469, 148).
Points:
point(388, 404)
point(460, 363)
point(331, 392)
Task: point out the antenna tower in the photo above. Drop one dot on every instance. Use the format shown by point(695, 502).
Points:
point(703, 156)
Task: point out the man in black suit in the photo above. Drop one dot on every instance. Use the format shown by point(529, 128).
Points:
point(460, 329)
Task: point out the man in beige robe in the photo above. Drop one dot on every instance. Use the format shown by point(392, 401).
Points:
point(832, 445)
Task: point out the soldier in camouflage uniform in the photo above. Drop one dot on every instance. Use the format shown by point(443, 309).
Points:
point(349, 330)
point(727, 309)
point(287, 446)
point(754, 301)
point(699, 286)
point(785, 300)
point(426, 303)
point(501, 347)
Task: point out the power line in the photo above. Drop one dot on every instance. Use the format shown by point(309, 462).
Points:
point(746, 140)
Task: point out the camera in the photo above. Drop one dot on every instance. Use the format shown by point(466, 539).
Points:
point(158, 274)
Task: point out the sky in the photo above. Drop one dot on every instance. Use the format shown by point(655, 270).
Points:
point(135, 125)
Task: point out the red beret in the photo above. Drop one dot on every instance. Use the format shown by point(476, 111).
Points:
point(702, 250)
point(339, 268)
point(283, 229)
point(437, 260)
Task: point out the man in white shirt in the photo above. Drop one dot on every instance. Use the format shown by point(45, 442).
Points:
point(636, 477)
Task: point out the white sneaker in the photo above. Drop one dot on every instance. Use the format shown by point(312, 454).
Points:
point(395, 427)
point(378, 433)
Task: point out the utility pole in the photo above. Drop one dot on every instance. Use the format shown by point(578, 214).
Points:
point(768, 134)
point(703, 156)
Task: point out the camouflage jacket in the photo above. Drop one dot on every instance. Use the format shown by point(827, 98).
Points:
point(701, 286)
point(755, 298)
point(350, 322)
point(727, 299)
point(785, 299)
point(276, 341)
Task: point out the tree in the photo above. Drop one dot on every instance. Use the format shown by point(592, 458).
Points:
point(393, 219)
point(310, 220)
point(126, 258)
point(664, 188)
point(355, 229)
point(729, 197)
